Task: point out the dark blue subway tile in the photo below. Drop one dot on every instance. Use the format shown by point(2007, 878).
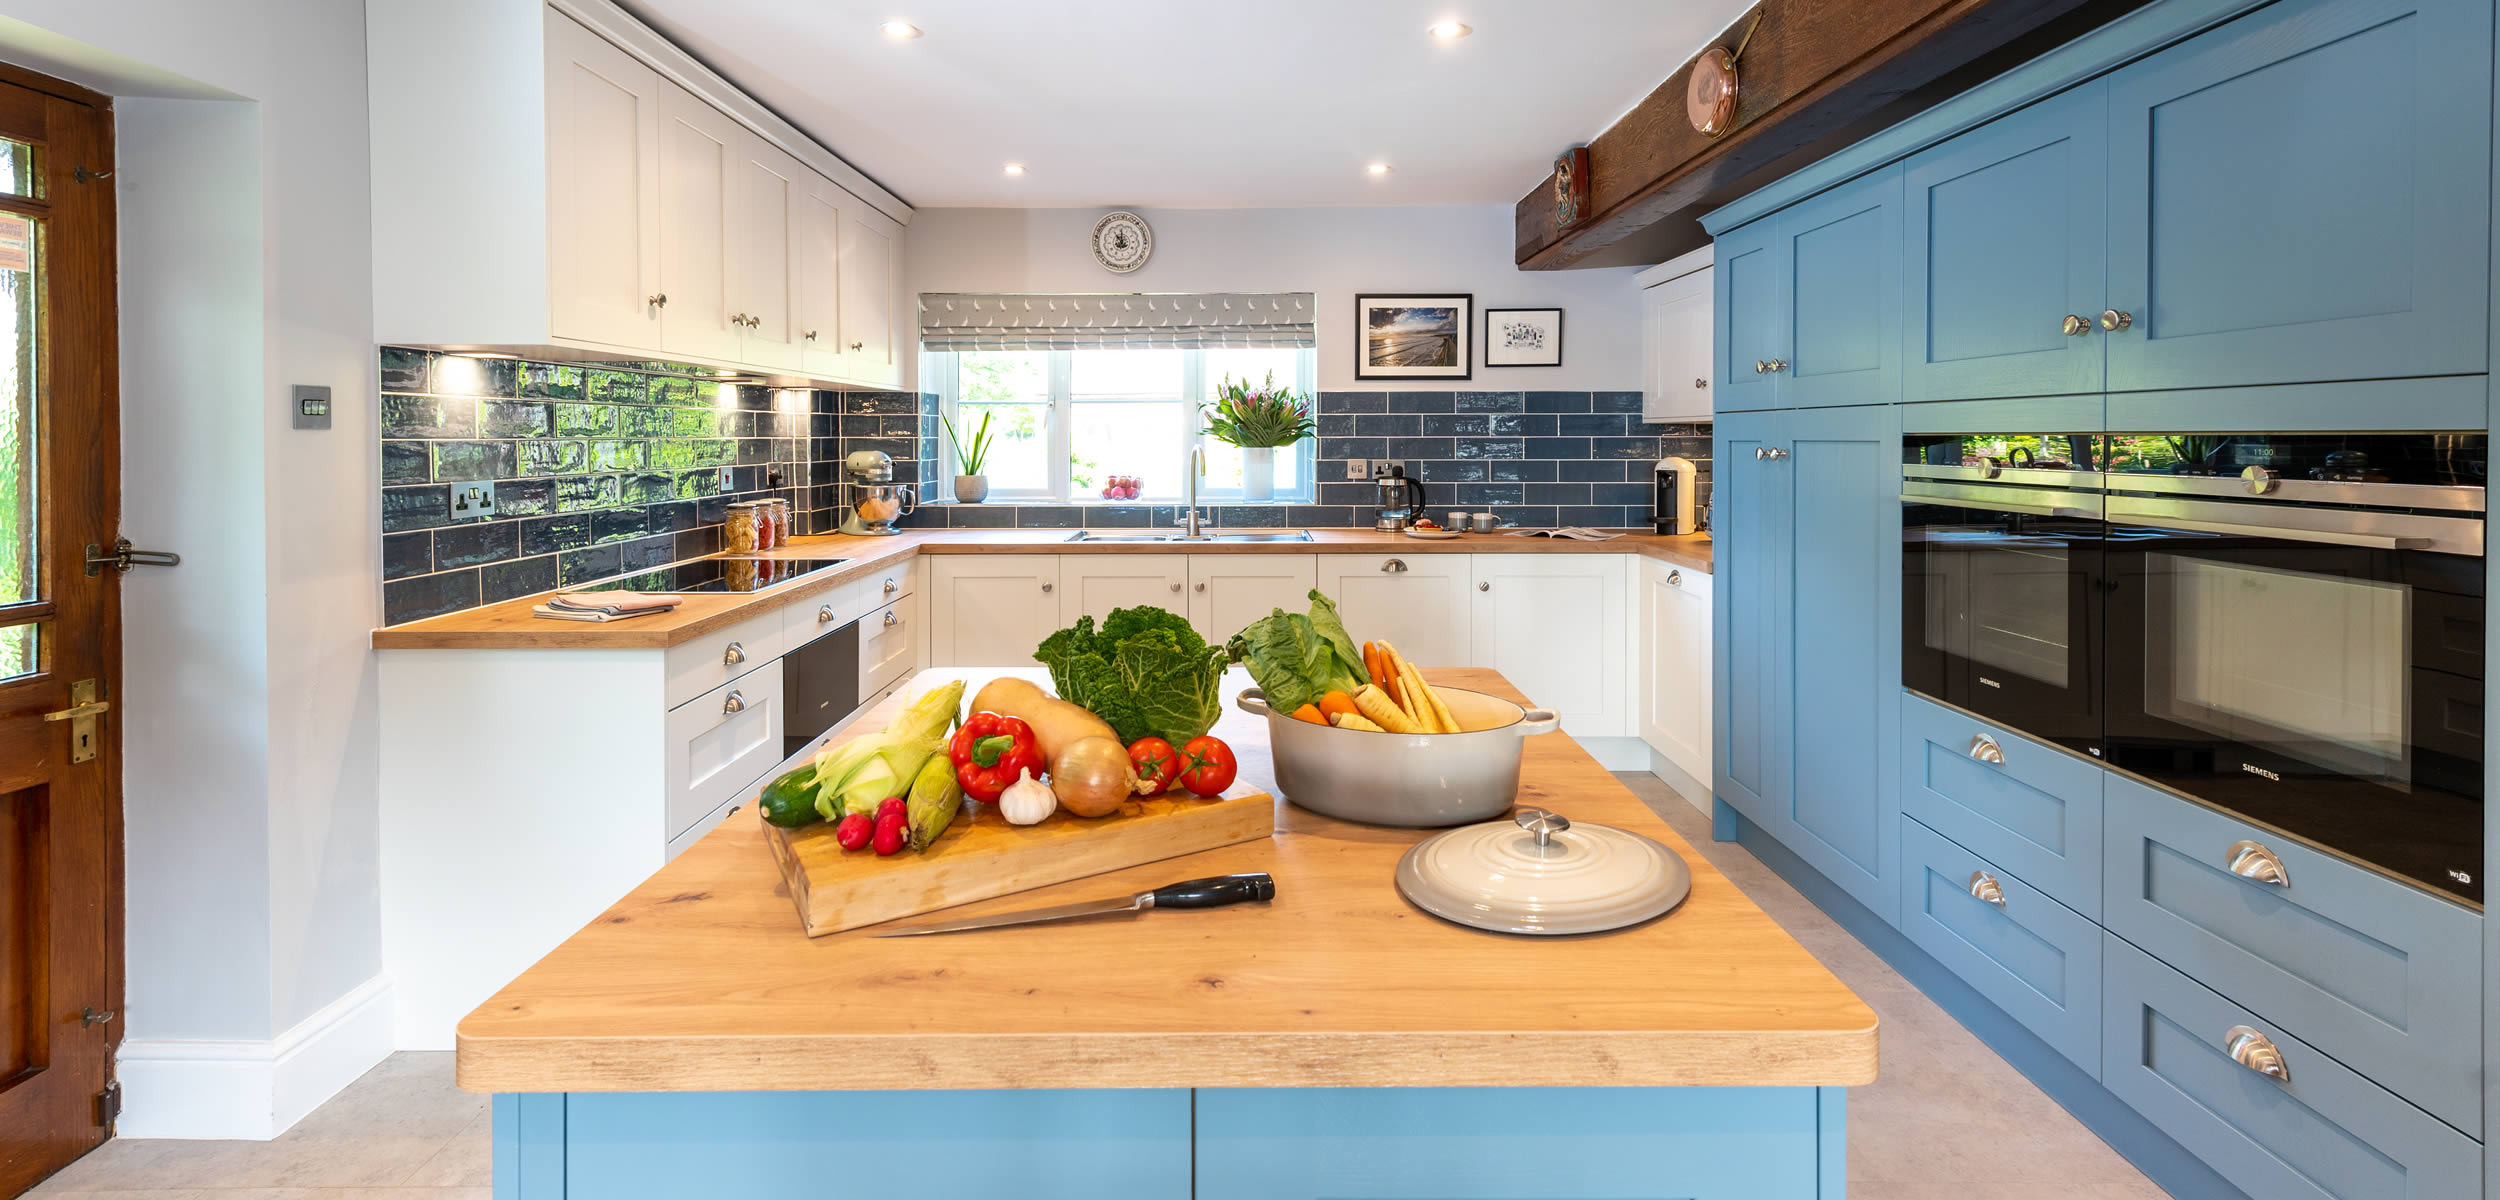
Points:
point(403, 369)
point(1457, 424)
point(428, 417)
point(676, 516)
point(1558, 493)
point(1524, 470)
point(1117, 516)
point(581, 566)
point(1558, 402)
point(406, 508)
point(428, 596)
point(646, 553)
point(1453, 471)
point(1491, 402)
point(617, 524)
point(1411, 448)
point(1353, 402)
point(1359, 494)
point(406, 462)
point(1354, 447)
point(546, 535)
point(455, 375)
point(1324, 516)
point(1421, 402)
point(550, 381)
point(1622, 493)
point(1526, 516)
point(1250, 516)
point(1556, 447)
point(705, 540)
point(1390, 425)
point(1049, 516)
point(1335, 424)
point(1524, 424)
point(1599, 516)
point(1624, 447)
point(1596, 425)
point(406, 554)
point(1585, 470)
point(1615, 402)
point(476, 544)
point(1492, 448)
point(512, 580)
point(1490, 493)
point(980, 516)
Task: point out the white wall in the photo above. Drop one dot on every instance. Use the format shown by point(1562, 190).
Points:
point(248, 699)
point(1332, 252)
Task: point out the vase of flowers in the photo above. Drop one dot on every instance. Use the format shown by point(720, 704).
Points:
point(1257, 419)
point(971, 487)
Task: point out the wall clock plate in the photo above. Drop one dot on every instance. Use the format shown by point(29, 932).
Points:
point(1122, 243)
point(1710, 99)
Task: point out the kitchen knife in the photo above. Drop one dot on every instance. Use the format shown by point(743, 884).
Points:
point(1214, 891)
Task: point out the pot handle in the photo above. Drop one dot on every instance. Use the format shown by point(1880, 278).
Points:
point(1254, 702)
point(1534, 721)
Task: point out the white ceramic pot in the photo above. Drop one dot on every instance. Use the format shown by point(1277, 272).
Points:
point(1258, 472)
point(1410, 779)
point(972, 489)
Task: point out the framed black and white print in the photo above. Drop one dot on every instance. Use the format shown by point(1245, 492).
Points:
point(1523, 337)
point(1413, 336)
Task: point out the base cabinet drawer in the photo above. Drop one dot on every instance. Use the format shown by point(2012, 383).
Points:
point(2386, 978)
point(885, 647)
point(716, 658)
point(720, 742)
point(2030, 808)
point(2189, 1061)
point(2035, 958)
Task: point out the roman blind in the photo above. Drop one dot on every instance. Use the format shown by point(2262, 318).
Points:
point(1195, 321)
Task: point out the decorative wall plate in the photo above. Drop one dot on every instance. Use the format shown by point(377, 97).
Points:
point(1122, 243)
point(1710, 96)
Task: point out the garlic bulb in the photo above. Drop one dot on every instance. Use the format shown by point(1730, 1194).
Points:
point(1027, 801)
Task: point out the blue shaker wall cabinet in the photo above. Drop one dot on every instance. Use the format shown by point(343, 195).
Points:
point(1809, 302)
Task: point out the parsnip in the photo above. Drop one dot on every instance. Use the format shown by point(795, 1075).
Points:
point(1376, 705)
point(1354, 721)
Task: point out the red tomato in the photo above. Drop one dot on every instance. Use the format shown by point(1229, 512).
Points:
point(1207, 766)
point(1156, 762)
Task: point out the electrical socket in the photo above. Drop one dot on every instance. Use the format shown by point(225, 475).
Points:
point(1381, 467)
point(470, 501)
point(1358, 468)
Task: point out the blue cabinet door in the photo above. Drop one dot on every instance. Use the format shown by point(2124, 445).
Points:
point(2304, 194)
point(2035, 958)
point(1843, 285)
point(2003, 239)
point(1840, 663)
point(1750, 550)
point(1750, 332)
point(2031, 808)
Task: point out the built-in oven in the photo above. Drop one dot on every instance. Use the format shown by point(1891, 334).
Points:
point(2001, 576)
point(819, 686)
point(2295, 633)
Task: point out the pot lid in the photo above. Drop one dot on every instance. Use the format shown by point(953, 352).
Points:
point(1539, 873)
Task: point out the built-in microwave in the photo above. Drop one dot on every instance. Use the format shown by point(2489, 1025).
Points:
point(2286, 626)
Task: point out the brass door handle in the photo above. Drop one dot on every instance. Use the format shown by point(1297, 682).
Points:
point(92, 708)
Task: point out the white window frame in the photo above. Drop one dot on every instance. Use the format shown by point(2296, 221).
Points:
point(938, 368)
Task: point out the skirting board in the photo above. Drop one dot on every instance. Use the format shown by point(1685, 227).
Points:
point(252, 1090)
point(1618, 753)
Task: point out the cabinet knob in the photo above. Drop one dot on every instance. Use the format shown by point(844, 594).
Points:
point(2075, 326)
point(891, 620)
point(1484, 587)
point(2248, 860)
point(2257, 1052)
point(1761, 366)
point(824, 614)
point(1775, 454)
point(858, 345)
point(1701, 383)
point(1761, 452)
point(1393, 566)
point(1046, 587)
point(738, 319)
point(1778, 365)
point(889, 587)
point(2114, 320)
point(811, 335)
point(734, 655)
point(1675, 579)
point(1202, 587)
point(1985, 886)
point(1176, 587)
point(1985, 749)
point(734, 705)
point(659, 300)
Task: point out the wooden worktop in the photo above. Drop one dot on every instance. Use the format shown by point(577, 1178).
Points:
point(510, 626)
point(701, 979)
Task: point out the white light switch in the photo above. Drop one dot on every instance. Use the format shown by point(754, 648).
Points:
point(1358, 468)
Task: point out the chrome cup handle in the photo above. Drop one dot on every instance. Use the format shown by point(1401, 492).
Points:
point(1985, 749)
point(1985, 886)
point(734, 655)
point(2257, 1052)
point(2248, 860)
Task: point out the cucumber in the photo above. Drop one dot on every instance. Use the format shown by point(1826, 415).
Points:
point(790, 801)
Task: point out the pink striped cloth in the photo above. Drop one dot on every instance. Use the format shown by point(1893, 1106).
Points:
point(619, 601)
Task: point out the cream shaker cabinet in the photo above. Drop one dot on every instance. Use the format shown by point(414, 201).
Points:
point(1229, 591)
point(603, 189)
point(1675, 339)
point(1420, 603)
point(699, 149)
point(991, 610)
point(1091, 585)
point(767, 194)
point(1674, 664)
point(870, 258)
point(1554, 625)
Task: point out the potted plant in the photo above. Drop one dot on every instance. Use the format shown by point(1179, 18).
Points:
point(1258, 420)
point(971, 487)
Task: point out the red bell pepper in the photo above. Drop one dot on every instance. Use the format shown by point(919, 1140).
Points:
point(990, 751)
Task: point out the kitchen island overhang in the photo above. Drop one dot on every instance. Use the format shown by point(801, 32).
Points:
point(693, 1037)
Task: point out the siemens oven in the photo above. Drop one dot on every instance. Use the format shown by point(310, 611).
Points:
point(2295, 633)
point(2002, 579)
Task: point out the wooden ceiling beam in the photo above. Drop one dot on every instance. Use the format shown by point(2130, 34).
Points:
point(1818, 75)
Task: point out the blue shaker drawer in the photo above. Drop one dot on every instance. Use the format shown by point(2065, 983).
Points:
point(2037, 813)
point(2320, 1132)
point(2035, 958)
point(2385, 977)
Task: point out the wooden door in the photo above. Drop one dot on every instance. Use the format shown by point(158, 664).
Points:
point(1417, 602)
point(603, 190)
point(2003, 234)
point(698, 157)
point(2264, 230)
point(1091, 585)
point(1554, 626)
point(1752, 309)
point(868, 265)
point(768, 192)
point(60, 629)
point(1749, 551)
point(1843, 250)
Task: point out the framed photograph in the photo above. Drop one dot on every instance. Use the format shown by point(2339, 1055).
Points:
point(1523, 337)
point(1413, 337)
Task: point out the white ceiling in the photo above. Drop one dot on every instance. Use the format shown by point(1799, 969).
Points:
point(1196, 103)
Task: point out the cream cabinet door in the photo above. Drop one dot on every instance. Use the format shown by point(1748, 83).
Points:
point(816, 260)
point(1091, 585)
point(1418, 602)
point(1229, 591)
point(1675, 349)
point(1674, 665)
point(603, 189)
point(719, 743)
point(699, 156)
point(869, 258)
point(1554, 625)
point(991, 610)
point(768, 192)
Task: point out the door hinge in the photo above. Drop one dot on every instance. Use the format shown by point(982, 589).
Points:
point(126, 556)
point(108, 1104)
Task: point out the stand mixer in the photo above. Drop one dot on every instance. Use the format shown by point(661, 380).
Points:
point(876, 500)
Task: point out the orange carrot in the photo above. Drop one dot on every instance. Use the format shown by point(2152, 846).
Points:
point(1311, 713)
point(1338, 702)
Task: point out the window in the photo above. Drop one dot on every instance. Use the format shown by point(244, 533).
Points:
point(1063, 422)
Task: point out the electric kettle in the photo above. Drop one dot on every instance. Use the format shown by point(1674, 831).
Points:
point(1401, 500)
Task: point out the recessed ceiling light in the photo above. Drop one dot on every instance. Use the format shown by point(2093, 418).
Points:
point(1015, 168)
point(900, 30)
point(1378, 168)
point(1449, 31)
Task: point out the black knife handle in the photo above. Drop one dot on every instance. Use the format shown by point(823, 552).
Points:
point(1215, 891)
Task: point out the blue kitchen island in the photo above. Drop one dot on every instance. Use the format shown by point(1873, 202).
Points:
point(1335, 1042)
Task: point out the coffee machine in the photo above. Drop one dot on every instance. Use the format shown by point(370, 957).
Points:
point(876, 500)
point(1401, 500)
point(1672, 506)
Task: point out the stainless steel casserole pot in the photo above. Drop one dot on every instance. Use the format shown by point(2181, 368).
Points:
point(1410, 779)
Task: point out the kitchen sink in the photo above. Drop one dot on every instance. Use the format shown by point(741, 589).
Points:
point(1275, 535)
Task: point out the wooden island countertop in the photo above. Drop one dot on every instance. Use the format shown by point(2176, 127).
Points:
point(510, 626)
point(701, 979)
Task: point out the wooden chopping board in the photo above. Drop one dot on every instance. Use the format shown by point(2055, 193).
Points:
point(981, 855)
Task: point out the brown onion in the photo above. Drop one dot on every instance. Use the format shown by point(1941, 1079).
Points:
point(1092, 777)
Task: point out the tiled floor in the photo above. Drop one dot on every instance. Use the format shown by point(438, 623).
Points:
point(1946, 1118)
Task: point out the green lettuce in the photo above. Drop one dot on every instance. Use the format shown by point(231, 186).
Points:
point(1297, 659)
point(1145, 672)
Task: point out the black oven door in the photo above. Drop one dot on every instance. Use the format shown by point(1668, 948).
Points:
point(2314, 669)
point(2001, 604)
